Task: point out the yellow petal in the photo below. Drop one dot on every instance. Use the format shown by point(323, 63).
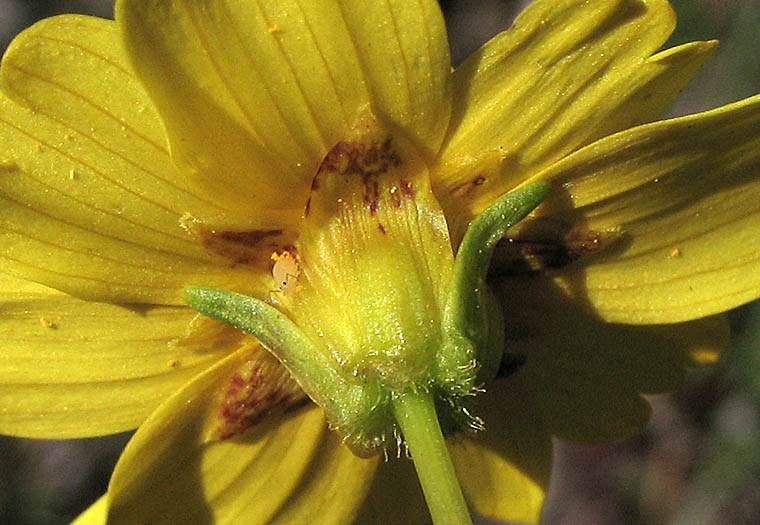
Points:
point(504, 470)
point(587, 374)
point(334, 487)
point(90, 201)
point(253, 94)
point(275, 472)
point(96, 514)
point(404, 53)
point(395, 496)
point(70, 368)
point(684, 196)
point(567, 73)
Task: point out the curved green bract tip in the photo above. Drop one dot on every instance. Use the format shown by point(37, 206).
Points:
point(273, 329)
point(471, 314)
point(353, 409)
point(490, 226)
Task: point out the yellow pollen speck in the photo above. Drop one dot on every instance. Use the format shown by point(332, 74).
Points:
point(39, 148)
point(73, 174)
point(274, 29)
point(47, 323)
point(67, 136)
point(676, 252)
point(172, 363)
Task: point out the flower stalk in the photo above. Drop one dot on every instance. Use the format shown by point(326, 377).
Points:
point(416, 415)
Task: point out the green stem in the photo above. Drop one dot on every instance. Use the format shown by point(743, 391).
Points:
point(415, 414)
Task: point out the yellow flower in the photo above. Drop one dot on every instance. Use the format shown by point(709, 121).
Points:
point(195, 143)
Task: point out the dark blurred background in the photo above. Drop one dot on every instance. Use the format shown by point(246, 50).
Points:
point(699, 461)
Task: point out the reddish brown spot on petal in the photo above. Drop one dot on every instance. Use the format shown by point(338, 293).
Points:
point(544, 244)
point(357, 158)
point(580, 243)
point(395, 197)
point(315, 181)
point(247, 238)
point(249, 247)
point(381, 228)
point(469, 186)
point(364, 160)
point(254, 393)
point(371, 195)
point(307, 209)
point(407, 189)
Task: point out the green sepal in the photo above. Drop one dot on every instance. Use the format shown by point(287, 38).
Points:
point(360, 412)
point(473, 321)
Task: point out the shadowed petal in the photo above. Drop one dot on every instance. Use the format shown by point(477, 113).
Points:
point(70, 368)
point(395, 496)
point(586, 375)
point(173, 470)
point(684, 197)
point(504, 470)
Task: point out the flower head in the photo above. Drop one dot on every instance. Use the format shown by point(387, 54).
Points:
point(323, 160)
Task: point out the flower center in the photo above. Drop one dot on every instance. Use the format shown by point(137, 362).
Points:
point(373, 261)
point(369, 306)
